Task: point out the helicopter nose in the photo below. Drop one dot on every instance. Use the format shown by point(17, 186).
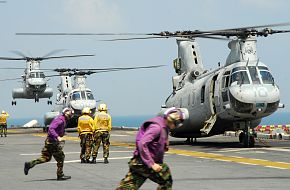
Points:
point(256, 100)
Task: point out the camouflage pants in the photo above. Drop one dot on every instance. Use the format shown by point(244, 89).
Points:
point(138, 173)
point(86, 146)
point(3, 128)
point(104, 137)
point(51, 149)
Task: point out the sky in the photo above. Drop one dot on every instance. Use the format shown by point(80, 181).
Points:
point(138, 92)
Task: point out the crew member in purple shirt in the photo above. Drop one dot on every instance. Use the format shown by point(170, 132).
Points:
point(151, 144)
point(52, 145)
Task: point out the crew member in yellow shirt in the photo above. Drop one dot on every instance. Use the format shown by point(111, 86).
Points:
point(86, 127)
point(103, 124)
point(3, 123)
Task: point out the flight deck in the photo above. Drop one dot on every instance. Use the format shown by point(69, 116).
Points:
point(217, 162)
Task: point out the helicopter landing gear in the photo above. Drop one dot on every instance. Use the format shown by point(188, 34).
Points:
point(36, 98)
point(13, 103)
point(247, 137)
point(49, 102)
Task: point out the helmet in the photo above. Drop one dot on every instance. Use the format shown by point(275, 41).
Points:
point(3, 112)
point(102, 107)
point(86, 110)
point(175, 115)
point(68, 112)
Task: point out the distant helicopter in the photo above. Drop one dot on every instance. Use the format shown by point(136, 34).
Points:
point(74, 93)
point(233, 97)
point(34, 82)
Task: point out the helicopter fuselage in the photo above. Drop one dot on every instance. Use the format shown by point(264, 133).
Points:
point(231, 102)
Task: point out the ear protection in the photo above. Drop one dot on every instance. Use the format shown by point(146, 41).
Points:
point(175, 115)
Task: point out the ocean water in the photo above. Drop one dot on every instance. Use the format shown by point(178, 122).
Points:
point(136, 121)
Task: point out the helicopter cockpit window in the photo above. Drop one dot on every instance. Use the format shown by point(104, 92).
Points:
point(41, 75)
point(76, 96)
point(238, 69)
point(254, 75)
point(32, 75)
point(90, 95)
point(267, 78)
point(240, 77)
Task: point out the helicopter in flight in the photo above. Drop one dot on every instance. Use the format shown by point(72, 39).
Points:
point(34, 82)
point(232, 97)
point(74, 93)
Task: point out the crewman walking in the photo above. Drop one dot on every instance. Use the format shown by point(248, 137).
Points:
point(3, 123)
point(53, 144)
point(151, 144)
point(103, 123)
point(86, 127)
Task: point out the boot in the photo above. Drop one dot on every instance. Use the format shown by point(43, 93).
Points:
point(26, 168)
point(88, 161)
point(93, 161)
point(83, 161)
point(63, 177)
point(106, 161)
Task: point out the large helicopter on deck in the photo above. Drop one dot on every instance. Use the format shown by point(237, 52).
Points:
point(233, 97)
point(34, 82)
point(74, 92)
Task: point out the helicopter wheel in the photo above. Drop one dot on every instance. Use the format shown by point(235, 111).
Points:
point(13, 103)
point(49, 102)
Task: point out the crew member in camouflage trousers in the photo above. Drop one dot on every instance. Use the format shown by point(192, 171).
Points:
point(86, 127)
point(151, 144)
point(103, 124)
point(53, 145)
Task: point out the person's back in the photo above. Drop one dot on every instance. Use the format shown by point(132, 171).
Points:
point(103, 121)
point(3, 118)
point(85, 124)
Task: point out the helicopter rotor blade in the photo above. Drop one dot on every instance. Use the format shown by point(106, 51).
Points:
point(1, 80)
point(12, 68)
point(64, 56)
point(44, 58)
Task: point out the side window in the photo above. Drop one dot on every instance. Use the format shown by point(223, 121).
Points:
point(193, 99)
point(202, 93)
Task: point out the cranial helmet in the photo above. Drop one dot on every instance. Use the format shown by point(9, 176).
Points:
point(68, 112)
point(102, 107)
point(174, 115)
point(86, 110)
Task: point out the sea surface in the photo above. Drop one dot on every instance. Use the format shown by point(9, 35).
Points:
point(136, 121)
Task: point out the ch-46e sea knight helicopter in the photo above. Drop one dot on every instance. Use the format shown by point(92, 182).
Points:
point(233, 97)
point(34, 82)
point(74, 93)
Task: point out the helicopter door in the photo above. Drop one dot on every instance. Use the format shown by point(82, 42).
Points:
point(212, 95)
point(225, 86)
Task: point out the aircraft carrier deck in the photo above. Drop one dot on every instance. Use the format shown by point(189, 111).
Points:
point(217, 163)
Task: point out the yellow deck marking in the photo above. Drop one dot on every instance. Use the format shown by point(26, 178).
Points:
point(235, 159)
point(204, 155)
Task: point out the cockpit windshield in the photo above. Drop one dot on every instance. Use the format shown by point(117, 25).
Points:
point(90, 95)
point(239, 77)
point(76, 96)
point(266, 77)
point(36, 75)
point(258, 75)
point(82, 95)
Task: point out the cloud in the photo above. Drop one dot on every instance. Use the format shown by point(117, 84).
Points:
point(89, 15)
